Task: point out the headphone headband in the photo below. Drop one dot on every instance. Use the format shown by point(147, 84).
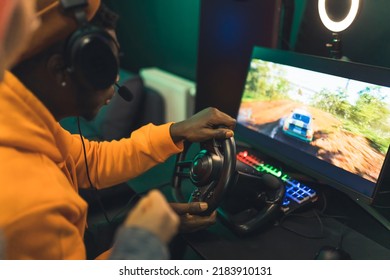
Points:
point(73, 4)
point(91, 54)
point(77, 9)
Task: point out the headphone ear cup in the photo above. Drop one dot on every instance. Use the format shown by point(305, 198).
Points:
point(92, 58)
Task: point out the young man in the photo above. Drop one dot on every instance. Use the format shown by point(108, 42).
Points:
point(18, 21)
point(42, 166)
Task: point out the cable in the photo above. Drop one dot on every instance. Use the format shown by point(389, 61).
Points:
point(384, 192)
point(325, 203)
point(381, 206)
point(125, 208)
point(135, 197)
point(89, 178)
point(342, 234)
point(334, 216)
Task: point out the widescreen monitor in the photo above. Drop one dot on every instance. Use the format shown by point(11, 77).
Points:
point(327, 118)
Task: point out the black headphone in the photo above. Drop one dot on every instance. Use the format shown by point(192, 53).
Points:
point(91, 54)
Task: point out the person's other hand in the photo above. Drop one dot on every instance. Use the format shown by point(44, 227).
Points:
point(206, 124)
point(189, 220)
point(154, 214)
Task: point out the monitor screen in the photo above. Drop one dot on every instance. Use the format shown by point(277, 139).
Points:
point(328, 118)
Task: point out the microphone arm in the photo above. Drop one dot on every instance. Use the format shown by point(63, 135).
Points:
point(124, 92)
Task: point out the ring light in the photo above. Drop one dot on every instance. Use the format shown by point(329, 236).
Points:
point(337, 26)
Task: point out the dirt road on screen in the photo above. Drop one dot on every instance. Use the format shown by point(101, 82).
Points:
point(330, 143)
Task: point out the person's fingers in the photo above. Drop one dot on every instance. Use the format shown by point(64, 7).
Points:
point(206, 124)
point(190, 223)
point(198, 220)
point(210, 133)
point(222, 133)
point(190, 208)
point(225, 120)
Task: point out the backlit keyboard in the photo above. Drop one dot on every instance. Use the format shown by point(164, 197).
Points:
point(297, 194)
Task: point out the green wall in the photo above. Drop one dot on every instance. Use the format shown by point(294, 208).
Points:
point(164, 33)
point(161, 33)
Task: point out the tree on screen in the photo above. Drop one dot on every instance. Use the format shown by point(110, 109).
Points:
point(369, 115)
point(265, 82)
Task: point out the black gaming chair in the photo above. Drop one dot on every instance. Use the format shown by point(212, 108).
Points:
point(122, 117)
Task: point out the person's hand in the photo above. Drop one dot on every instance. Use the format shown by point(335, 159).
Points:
point(189, 220)
point(154, 214)
point(207, 124)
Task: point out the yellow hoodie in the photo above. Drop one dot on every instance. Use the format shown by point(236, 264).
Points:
point(42, 166)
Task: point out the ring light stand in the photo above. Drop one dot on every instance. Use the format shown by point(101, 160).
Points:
point(337, 26)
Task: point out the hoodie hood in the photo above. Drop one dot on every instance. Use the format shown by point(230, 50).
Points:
point(25, 122)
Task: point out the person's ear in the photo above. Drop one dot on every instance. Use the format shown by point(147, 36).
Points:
point(57, 70)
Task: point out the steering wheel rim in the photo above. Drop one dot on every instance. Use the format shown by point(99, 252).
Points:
point(211, 171)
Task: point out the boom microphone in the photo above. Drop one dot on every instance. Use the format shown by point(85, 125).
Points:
point(124, 92)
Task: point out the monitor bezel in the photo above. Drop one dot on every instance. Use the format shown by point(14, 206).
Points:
point(353, 185)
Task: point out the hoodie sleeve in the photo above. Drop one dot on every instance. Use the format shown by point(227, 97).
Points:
point(110, 163)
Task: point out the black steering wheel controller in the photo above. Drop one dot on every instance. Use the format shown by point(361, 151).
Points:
point(246, 199)
point(212, 171)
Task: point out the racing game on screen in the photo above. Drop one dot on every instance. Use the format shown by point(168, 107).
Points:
point(341, 121)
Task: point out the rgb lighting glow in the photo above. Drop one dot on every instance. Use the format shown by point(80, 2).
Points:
point(338, 26)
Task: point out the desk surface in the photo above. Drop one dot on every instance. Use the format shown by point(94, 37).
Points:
point(301, 235)
point(296, 238)
point(278, 242)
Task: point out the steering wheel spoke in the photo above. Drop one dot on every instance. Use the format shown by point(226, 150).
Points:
point(212, 146)
point(184, 163)
point(200, 194)
point(183, 174)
